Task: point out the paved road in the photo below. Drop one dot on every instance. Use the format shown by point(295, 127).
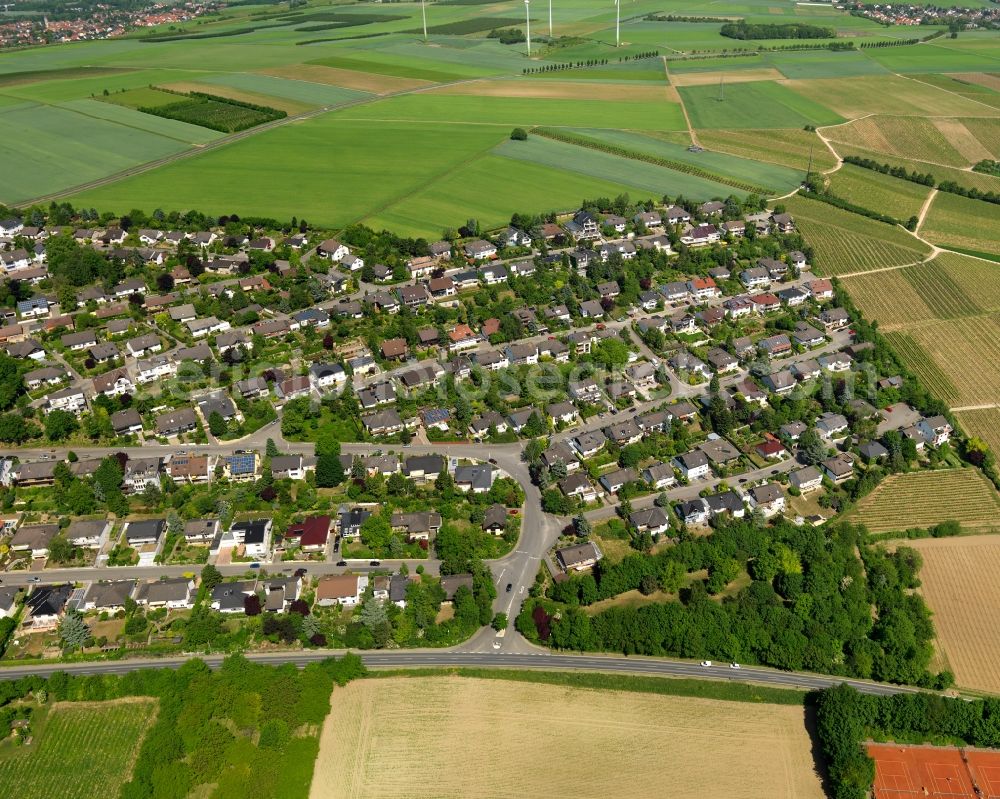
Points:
point(402, 659)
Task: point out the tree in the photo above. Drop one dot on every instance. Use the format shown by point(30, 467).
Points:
point(519, 134)
point(500, 622)
point(329, 471)
point(582, 526)
point(216, 424)
point(210, 577)
point(60, 424)
point(376, 532)
point(375, 619)
point(251, 605)
point(61, 550)
point(812, 448)
point(73, 631)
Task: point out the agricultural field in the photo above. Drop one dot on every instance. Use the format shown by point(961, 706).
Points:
point(923, 499)
point(888, 94)
point(970, 282)
point(300, 91)
point(430, 733)
point(347, 78)
point(963, 177)
point(967, 225)
point(908, 137)
point(80, 749)
point(215, 113)
point(240, 95)
point(753, 105)
point(792, 147)
point(889, 298)
point(983, 423)
point(958, 359)
point(959, 585)
point(846, 243)
point(883, 193)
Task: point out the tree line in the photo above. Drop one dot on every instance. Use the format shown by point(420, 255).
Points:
point(927, 179)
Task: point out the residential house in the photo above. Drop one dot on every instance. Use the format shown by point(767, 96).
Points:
point(254, 535)
point(650, 520)
point(34, 539)
point(659, 475)
point(578, 486)
point(806, 479)
point(312, 533)
point(692, 465)
point(839, 468)
point(579, 557)
point(88, 533)
point(768, 498)
point(341, 589)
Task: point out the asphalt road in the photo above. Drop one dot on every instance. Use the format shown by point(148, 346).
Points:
point(535, 660)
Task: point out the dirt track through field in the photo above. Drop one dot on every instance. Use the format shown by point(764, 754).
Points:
point(461, 738)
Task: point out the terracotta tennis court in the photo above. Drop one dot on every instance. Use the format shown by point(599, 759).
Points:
point(934, 772)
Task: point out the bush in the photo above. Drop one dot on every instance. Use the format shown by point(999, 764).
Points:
point(519, 134)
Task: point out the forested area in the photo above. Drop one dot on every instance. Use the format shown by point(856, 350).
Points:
point(811, 604)
point(845, 718)
point(745, 30)
point(243, 730)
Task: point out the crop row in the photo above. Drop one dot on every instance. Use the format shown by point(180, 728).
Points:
point(637, 155)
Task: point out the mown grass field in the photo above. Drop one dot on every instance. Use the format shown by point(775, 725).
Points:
point(970, 225)
point(430, 733)
point(923, 499)
point(883, 193)
point(81, 750)
point(958, 581)
point(846, 243)
point(753, 105)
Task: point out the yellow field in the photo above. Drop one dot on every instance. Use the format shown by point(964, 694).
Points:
point(961, 137)
point(732, 76)
point(887, 94)
point(923, 499)
point(560, 90)
point(789, 147)
point(960, 586)
point(461, 738)
point(983, 423)
point(909, 137)
point(243, 96)
point(346, 78)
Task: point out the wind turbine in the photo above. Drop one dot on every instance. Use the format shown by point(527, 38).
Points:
point(527, 23)
point(423, 13)
point(618, 23)
point(550, 19)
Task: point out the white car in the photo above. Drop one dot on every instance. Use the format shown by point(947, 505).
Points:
point(734, 665)
point(706, 663)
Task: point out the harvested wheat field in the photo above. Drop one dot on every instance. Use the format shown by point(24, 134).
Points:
point(923, 499)
point(347, 78)
point(959, 583)
point(732, 76)
point(462, 738)
point(560, 90)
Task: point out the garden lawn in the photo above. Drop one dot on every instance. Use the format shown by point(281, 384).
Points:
point(328, 170)
point(524, 111)
point(47, 148)
point(753, 105)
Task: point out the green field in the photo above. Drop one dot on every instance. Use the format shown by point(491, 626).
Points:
point(329, 170)
point(656, 180)
point(793, 147)
point(845, 243)
point(887, 195)
point(760, 104)
point(522, 111)
point(963, 223)
point(311, 93)
point(744, 169)
point(147, 97)
point(80, 750)
point(447, 200)
point(39, 157)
